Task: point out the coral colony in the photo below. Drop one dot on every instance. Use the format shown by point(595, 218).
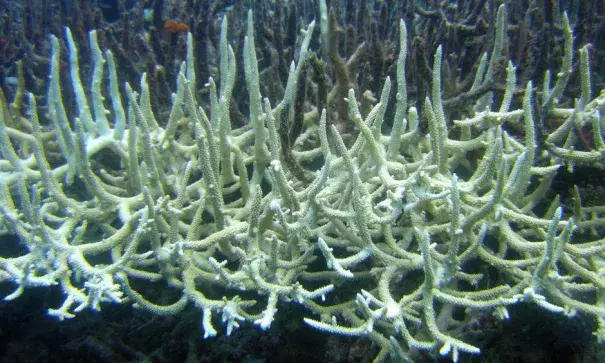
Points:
point(396, 233)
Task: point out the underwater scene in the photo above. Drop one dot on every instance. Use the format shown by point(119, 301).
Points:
point(302, 181)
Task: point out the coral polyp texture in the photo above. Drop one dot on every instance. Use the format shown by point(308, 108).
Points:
point(400, 232)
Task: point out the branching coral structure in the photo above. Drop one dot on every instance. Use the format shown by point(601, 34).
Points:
point(419, 221)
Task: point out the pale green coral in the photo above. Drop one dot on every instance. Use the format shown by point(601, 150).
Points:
point(181, 209)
